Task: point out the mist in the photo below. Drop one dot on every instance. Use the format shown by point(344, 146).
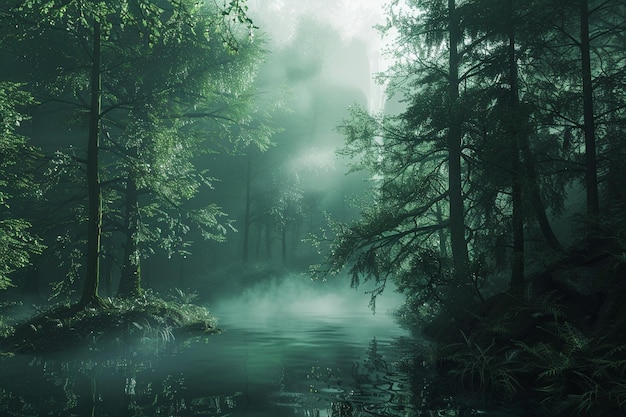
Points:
point(330, 208)
point(297, 297)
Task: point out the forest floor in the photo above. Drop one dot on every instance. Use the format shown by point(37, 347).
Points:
point(118, 323)
point(558, 349)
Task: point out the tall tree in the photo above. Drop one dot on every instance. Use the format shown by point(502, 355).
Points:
point(577, 33)
point(591, 164)
point(427, 141)
point(454, 145)
point(94, 192)
point(99, 28)
point(172, 127)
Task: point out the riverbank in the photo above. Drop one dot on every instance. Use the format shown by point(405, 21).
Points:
point(120, 322)
point(556, 350)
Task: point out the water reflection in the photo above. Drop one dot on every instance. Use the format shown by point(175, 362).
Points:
point(375, 387)
point(279, 363)
point(61, 386)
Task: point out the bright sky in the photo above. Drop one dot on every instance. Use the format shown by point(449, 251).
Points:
point(351, 18)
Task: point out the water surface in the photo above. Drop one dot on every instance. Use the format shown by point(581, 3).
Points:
point(281, 353)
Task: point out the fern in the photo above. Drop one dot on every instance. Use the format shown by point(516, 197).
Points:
point(485, 369)
point(578, 374)
point(617, 393)
point(545, 304)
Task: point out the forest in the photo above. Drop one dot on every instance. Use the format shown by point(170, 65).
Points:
point(159, 156)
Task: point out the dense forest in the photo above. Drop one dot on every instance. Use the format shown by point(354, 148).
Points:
point(509, 112)
point(489, 188)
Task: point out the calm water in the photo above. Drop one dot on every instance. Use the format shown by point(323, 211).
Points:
point(297, 354)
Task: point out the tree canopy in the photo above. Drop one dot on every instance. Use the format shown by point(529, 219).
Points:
point(502, 105)
point(154, 86)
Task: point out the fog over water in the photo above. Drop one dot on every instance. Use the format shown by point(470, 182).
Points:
point(295, 297)
point(338, 52)
point(294, 347)
point(191, 189)
point(289, 345)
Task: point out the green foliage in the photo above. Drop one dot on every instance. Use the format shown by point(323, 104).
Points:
point(490, 371)
point(177, 311)
point(564, 369)
point(177, 85)
point(576, 373)
point(147, 320)
point(6, 329)
point(17, 244)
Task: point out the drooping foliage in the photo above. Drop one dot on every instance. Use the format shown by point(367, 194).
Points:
point(530, 91)
point(504, 81)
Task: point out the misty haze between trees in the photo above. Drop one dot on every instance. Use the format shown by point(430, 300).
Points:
point(161, 147)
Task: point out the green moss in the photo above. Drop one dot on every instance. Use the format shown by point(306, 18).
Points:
point(119, 322)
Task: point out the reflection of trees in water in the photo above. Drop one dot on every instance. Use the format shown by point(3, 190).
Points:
point(379, 386)
point(120, 387)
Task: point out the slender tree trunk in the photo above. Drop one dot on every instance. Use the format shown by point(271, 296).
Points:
point(591, 165)
point(94, 225)
point(268, 241)
point(532, 186)
point(257, 243)
point(283, 244)
point(130, 280)
point(246, 221)
point(443, 239)
point(455, 190)
point(517, 219)
point(107, 273)
point(517, 258)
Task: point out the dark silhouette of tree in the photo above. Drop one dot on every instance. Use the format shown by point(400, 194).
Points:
point(417, 159)
point(454, 145)
point(589, 128)
point(478, 132)
point(579, 40)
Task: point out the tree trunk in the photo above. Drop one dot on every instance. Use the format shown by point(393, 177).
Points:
point(460, 255)
point(246, 221)
point(283, 244)
point(517, 218)
point(532, 186)
point(257, 243)
point(591, 165)
point(107, 273)
point(443, 239)
point(268, 241)
point(130, 280)
point(94, 225)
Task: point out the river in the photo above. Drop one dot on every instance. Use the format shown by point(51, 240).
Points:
point(281, 353)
